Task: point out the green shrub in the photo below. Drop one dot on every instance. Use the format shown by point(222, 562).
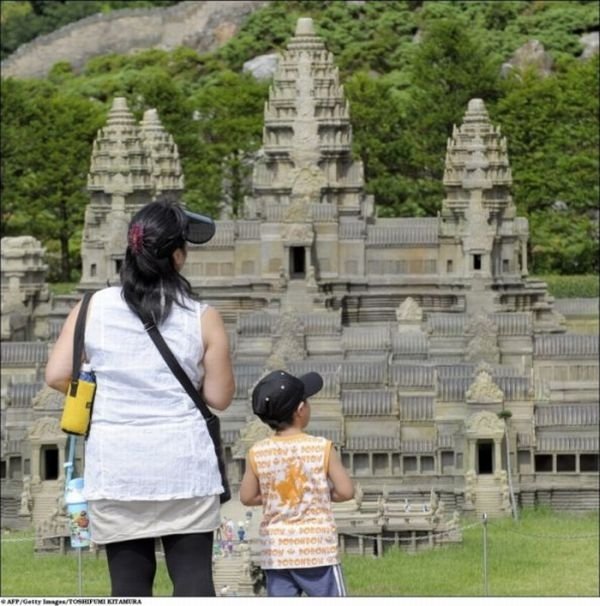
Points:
point(572, 287)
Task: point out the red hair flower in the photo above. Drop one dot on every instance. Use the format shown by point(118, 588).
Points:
point(136, 238)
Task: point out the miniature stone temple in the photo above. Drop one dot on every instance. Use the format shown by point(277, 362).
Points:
point(450, 382)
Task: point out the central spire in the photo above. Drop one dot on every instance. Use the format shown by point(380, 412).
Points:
point(307, 139)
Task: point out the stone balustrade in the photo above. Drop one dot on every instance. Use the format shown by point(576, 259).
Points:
point(362, 443)
point(26, 353)
point(566, 345)
point(563, 414)
point(369, 403)
point(416, 408)
point(20, 395)
point(568, 443)
point(412, 375)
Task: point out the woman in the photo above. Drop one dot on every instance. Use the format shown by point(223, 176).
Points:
point(150, 467)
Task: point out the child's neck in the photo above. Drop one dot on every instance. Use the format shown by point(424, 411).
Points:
point(289, 431)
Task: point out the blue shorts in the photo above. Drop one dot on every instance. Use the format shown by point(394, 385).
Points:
point(320, 581)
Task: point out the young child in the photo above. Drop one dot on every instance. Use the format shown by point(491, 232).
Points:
point(295, 477)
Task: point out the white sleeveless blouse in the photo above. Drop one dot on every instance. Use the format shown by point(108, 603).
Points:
point(148, 441)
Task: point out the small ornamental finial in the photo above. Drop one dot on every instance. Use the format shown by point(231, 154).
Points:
point(304, 27)
point(119, 103)
point(476, 105)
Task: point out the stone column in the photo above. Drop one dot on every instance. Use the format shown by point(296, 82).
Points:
point(524, 270)
point(471, 451)
point(497, 455)
point(62, 457)
point(35, 464)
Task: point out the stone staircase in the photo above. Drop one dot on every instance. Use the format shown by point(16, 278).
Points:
point(488, 498)
point(45, 501)
point(227, 572)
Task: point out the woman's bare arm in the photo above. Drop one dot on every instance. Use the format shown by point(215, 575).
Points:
point(219, 385)
point(60, 362)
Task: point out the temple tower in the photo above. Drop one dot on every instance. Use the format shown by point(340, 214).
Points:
point(25, 294)
point(481, 238)
point(306, 179)
point(130, 165)
point(159, 144)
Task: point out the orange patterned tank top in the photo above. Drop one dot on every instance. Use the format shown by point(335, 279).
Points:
point(298, 528)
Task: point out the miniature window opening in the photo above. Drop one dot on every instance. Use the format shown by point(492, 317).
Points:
point(477, 262)
point(449, 266)
point(14, 468)
point(447, 461)
point(524, 461)
point(2, 470)
point(118, 265)
point(565, 462)
point(427, 464)
point(588, 462)
point(381, 464)
point(361, 464)
point(485, 457)
point(543, 463)
point(396, 469)
point(49, 462)
point(505, 266)
point(297, 262)
point(93, 269)
point(410, 464)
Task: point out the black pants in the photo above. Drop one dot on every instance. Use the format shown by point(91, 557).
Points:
point(132, 565)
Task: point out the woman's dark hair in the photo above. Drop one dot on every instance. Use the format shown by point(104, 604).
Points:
point(150, 282)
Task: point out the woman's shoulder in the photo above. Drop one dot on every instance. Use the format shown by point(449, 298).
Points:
point(110, 293)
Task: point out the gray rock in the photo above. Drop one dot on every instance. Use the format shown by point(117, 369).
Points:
point(262, 67)
point(590, 43)
point(560, 206)
point(532, 54)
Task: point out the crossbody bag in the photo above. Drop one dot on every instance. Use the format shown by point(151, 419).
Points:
point(212, 421)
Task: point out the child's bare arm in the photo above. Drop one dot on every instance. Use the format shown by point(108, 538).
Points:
point(342, 488)
point(250, 488)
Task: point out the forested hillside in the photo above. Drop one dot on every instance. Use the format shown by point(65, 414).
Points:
point(408, 69)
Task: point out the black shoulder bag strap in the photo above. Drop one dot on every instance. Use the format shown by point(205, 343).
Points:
point(212, 421)
point(78, 340)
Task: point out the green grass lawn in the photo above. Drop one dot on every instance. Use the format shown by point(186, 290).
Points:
point(543, 554)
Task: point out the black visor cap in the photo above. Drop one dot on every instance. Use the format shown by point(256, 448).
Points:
point(199, 229)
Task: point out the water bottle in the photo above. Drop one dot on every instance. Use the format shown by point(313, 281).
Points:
point(77, 512)
point(77, 410)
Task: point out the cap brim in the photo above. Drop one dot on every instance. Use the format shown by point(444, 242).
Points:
point(313, 383)
point(200, 228)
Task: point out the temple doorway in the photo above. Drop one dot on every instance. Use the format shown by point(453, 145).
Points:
point(297, 262)
point(485, 456)
point(49, 462)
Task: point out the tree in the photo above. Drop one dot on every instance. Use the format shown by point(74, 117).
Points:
point(44, 173)
point(552, 129)
point(448, 69)
point(229, 122)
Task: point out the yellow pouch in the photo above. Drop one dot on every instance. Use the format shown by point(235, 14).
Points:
point(77, 410)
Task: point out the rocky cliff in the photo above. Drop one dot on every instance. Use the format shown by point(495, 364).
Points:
point(204, 26)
